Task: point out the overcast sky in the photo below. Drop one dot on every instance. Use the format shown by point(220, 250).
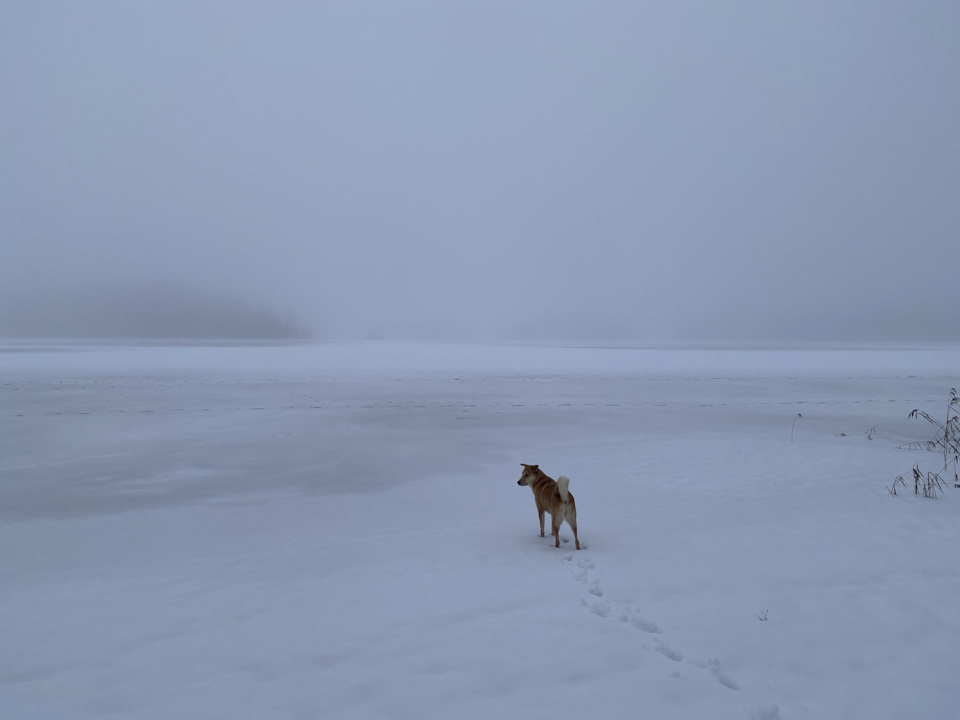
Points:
point(544, 170)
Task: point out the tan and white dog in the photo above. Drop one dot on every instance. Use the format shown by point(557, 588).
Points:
point(552, 497)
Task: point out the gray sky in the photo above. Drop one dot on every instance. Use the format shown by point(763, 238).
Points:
point(486, 170)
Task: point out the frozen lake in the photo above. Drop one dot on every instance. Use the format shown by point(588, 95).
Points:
point(335, 530)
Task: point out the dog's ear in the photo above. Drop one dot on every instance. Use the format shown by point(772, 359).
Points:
point(534, 467)
point(525, 465)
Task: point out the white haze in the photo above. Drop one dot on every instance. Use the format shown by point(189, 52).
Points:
point(481, 170)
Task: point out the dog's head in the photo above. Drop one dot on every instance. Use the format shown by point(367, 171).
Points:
point(529, 474)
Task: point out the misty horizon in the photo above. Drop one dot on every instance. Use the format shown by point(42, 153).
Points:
point(495, 172)
point(178, 313)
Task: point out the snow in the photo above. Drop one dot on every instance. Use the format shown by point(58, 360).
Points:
point(335, 530)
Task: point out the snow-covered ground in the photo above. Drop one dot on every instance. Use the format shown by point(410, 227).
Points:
point(335, 531)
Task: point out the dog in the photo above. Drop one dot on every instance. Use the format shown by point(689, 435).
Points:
point(553, 497)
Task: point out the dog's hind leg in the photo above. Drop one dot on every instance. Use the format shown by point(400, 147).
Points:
point(570, 515)
point(540, 513)
point(572, 522)
point(555, 522)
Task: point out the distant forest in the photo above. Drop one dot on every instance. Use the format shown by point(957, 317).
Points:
point(161, 312)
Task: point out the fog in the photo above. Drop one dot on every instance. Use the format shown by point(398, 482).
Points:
point(544, 171)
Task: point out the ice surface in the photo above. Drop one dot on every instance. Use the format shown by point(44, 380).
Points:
point(336, 531)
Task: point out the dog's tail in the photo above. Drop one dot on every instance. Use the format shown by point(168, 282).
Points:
point(563, 482)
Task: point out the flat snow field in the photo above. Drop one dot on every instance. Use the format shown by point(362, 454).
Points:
point(336, 531)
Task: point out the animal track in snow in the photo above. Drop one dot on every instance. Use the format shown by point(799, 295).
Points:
point(713, 665)
point(584, 571)
point(600, 609)
point(668, 652)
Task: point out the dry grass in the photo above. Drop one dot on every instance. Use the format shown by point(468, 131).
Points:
point(798, 417)
point(898, 481)
point(947, 441)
